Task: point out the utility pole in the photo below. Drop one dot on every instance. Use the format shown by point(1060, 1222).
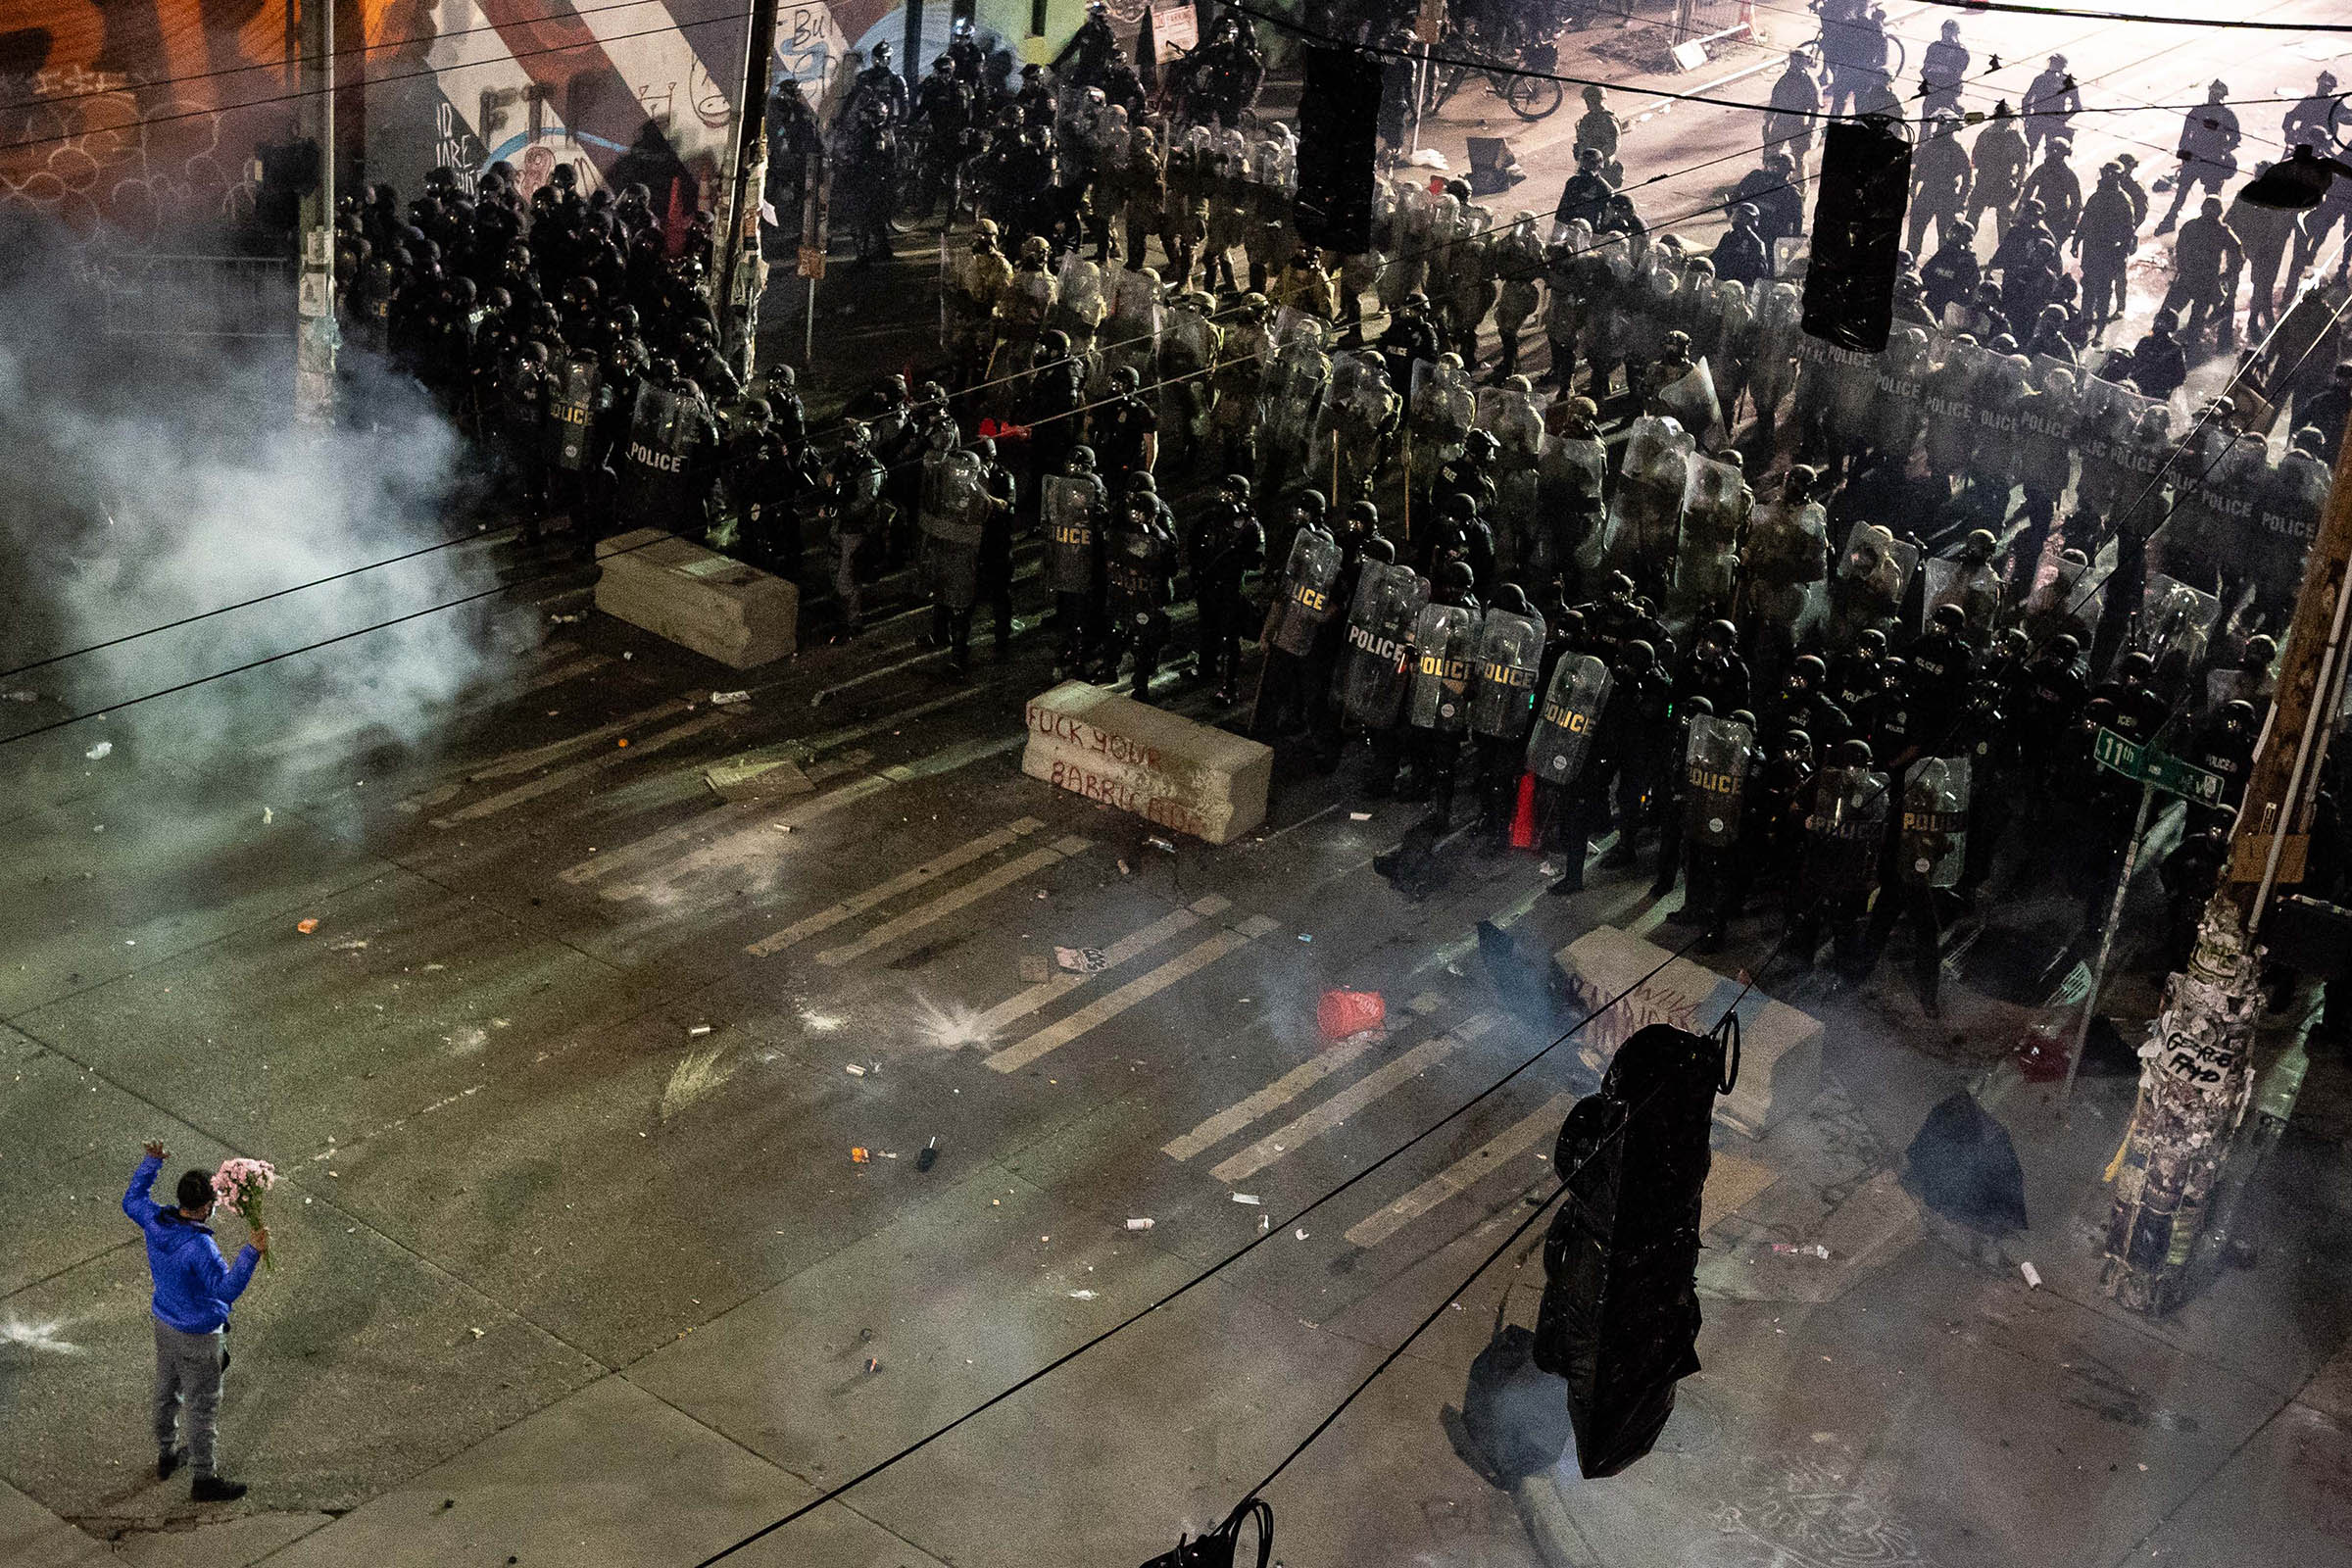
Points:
point(2197, 1077)
point(317, 334)
point(743, 273)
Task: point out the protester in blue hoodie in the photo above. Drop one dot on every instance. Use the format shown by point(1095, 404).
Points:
point(193, 1290)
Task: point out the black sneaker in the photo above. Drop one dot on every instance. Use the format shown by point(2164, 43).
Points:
point(213, 1489)
point(168, 1461)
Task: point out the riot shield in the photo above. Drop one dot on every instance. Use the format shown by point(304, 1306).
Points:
point(2173, 623)
point(1574, 471)
point(1388, 599)
point(1293, 397)
point(1444, 661)
point(1078, 303)
point(1873, 572)
point(1513, 420)
point(1976, 589)
point(1935, 828)
point(2060, 603)
point(1187, 341)
point(1561, 742)
point(1067, 506)
point(954, 501)
point(1691, 400)
point(1444, 411)
point(1510, 655)
point(1844, 831)
point(571, 413)
point(1310, 582)
point(1715, 762)
point(1703, 570)
point(1645, 517)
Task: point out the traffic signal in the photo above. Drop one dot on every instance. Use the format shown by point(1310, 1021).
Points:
point(1620, 1314)
point(1339, 135)
point(1857, 233)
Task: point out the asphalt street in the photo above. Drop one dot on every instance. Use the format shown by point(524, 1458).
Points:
point(580, 1262)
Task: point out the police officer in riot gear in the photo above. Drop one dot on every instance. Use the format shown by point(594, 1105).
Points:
point(1436, 707)
point(1502, 704)
point(1224, 547)
point(1075, 509)
point(1141, 558)
point(1306, 598)
point(1843, 834)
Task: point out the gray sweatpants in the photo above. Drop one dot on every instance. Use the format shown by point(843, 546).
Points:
point(188, 1366)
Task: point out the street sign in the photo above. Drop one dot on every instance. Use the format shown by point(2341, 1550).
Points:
point(812, 262)
point(2159, 770)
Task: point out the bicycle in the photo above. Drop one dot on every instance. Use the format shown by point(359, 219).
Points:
point(1530, 97)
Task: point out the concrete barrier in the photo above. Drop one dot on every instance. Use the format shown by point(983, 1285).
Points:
point(720, 608)
point(1158, 766)
point(1780, 1047)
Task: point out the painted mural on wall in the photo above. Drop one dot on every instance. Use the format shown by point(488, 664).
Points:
point(141, 119)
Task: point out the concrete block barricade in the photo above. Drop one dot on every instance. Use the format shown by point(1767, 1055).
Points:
point(1780, 1047)
point(715, 606)
point(1157, 765)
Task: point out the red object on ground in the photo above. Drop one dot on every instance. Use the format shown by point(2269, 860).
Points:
point(2042, 1051)
point(1523, 820)
point(1342, 1013)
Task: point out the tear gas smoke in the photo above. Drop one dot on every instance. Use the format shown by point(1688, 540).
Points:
point(152, 476)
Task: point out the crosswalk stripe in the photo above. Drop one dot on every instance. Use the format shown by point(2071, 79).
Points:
point(1132, 946)
point(1140, 989)
point(1285, 1088)
point(1464, 1173)
point(880, 893)
point(731, 814)
point(750, 840)
point(947, 904)
point(548, 783)
point(1351, 1100)
point(514, 762)
point(563, 672)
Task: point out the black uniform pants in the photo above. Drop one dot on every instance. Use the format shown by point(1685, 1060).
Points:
point(1842, 914)
point(1500, 762)
point(1916, 905)
point(1079, 619)
point(1437, 756)
point(1223, 618)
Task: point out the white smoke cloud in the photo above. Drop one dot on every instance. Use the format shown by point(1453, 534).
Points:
point(147, 478)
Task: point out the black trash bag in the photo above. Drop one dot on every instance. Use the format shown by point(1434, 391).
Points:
point(1620, 1316)
point(1532, 988)
point(1413, 867)
point(1218, 1548)
point(1511, 1423)
point(1963, 1166)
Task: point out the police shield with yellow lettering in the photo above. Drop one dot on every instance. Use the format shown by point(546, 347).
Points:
point(1510, 655)
point(1446, 660)
point(1715, 764)
point(1845, 830)
point(579, 397)
point(1309, 591)
point(1070, 505)
point(1935, 828)
point(1377, 666)
point(1561, 742)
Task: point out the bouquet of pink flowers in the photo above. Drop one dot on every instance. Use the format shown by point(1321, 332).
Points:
point(240, 1183)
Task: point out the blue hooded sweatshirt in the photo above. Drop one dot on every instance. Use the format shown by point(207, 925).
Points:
point(194, 1285)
